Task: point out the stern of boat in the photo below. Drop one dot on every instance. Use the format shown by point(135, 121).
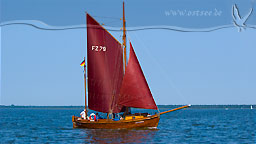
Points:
point(74, 119)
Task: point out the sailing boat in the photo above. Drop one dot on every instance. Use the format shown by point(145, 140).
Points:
point(113, 85)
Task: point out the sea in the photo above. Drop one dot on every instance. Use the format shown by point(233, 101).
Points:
point(199, 124)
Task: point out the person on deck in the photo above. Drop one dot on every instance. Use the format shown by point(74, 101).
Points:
point(83, 114)
point(97, 116)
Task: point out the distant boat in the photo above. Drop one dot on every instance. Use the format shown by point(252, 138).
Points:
point(113, 86)
point(251, 107)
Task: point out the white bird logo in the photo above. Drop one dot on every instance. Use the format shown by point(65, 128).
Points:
point(238, 21)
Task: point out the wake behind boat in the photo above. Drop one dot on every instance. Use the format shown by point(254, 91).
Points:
point(114, 86)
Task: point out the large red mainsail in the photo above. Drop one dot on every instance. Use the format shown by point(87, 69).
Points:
point(105, 68)
point(135, 91)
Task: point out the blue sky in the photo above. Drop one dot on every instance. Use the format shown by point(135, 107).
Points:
point(138, 13)
point(41, 67)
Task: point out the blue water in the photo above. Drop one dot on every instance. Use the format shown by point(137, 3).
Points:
point(53, 125)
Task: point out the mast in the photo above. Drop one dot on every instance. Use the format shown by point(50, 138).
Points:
point(127, 109)
point(85, 89)
point(124, 37)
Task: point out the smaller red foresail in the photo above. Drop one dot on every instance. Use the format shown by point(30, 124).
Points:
point(134, 90)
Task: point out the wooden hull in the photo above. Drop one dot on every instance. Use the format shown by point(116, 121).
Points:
point(142, 122)
point(146, 122)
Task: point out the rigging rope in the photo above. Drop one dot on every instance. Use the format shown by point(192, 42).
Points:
point(108, 17)
point(169, 80)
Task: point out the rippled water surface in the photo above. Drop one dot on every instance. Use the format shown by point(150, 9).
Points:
point(52, 125)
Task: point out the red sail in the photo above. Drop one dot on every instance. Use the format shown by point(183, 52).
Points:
point(135, 91)
point(105, 68)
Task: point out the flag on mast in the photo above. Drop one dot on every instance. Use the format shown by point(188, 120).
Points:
point(83, 63)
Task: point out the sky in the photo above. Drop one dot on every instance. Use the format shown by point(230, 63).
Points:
point(138, 13)
point(41, 67)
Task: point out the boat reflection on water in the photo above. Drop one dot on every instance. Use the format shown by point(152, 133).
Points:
point(118, 136)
